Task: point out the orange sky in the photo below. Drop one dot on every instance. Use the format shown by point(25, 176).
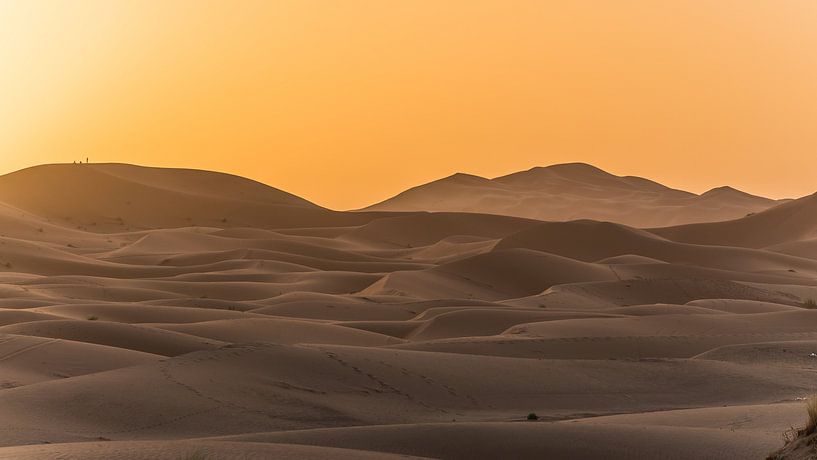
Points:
point(348, 102)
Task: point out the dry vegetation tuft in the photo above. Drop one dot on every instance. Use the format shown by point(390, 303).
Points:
point(799, 443)
point(811, 407)
point(793, 433)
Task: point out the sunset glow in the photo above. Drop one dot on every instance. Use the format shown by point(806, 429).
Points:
point(347, 103)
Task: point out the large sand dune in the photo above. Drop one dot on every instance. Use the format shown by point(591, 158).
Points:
point(164, 313)
point(788, 223)
point(576, 191)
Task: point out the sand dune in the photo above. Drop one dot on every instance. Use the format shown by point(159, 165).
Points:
point(576, 191)
point(611, 294)
point(789, 353)
point(423, 229)
point(493, 276)
point(786, 322)
point(788, 222)
point(598, 347)
point(264, 388)
point(476, 322)
point(119, 194)
point(118, 197)
point(280, 331)
point(26, 360)
point(173, 450)
point(358, 308)
point(741, 306)
point(127, 336)
point(124, 312)
point(165, 313)
point(8, 316)
point(594, 241)
point(489, 440)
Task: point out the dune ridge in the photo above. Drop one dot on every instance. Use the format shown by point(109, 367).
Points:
point(575, 191)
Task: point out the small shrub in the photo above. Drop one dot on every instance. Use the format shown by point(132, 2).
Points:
point(809, 303)
point(533, 416)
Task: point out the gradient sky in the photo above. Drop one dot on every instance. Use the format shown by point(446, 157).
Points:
point(348, 102)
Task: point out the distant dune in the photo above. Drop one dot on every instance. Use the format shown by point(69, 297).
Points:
point(175, 314)
point(118, 197)
point(793, 223)
point(576, 191)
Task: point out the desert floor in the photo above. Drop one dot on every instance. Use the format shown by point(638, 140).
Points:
point(173, 314)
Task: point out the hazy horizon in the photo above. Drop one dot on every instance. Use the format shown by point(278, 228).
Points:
point(410, 186)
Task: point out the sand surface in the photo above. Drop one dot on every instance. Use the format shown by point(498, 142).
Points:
point(171, 314)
